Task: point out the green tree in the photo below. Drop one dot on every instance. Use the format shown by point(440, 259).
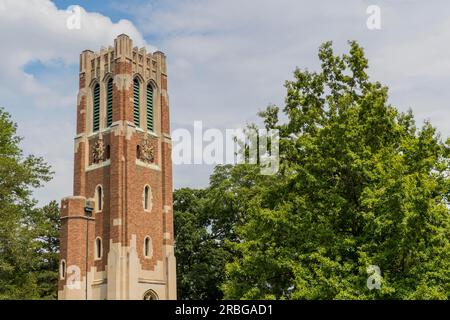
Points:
point(190, 232)
point(19, 175)
point(205, 228)
point(358, 185)
point(200, 250)
point(46, 225)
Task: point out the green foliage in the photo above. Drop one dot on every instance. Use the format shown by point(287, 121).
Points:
point(46, 222)
point(358, 185)
point(205, 226)
point(201, 254)
point(19, 228)
point(192, 246)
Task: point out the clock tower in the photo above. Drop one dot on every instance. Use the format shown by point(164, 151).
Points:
point(117, 240)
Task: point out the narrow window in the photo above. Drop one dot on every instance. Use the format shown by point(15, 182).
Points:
point(109, 103)
point(99, 199)
point(63, 269)
point(147, 243)
point(98, 248)
point(148, 247)
point(96, 108)
point(108, 152)
point(146, 197)
point(136, 102)
point(149, 107)
point(138, 152)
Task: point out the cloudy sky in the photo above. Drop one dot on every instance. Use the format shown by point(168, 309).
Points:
point(227, 60)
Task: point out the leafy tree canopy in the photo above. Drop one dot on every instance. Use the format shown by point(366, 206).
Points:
point(359, 185)
point(23, 239)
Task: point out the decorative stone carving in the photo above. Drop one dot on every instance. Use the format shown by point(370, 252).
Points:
point(98, 151)
point(148, 151)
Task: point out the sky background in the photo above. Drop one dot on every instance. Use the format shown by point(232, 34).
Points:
point(226, 61)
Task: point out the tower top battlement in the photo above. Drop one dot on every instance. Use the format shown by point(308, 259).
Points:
point(123, 50)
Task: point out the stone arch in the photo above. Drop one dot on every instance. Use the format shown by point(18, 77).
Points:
point(150, 295)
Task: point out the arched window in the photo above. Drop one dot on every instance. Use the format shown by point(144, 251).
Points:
point(136, 102)
point(138, 152)
point(108, 152)
point(146, 192)
point(149, 107)
point(98, 248)
point(99, 198)
point(150, 295)
point(96, 108)
point(148, 247)
point(109, 103)
point(147, 198)
point(63, 269)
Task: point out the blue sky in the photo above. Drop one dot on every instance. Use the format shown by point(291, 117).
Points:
point(110, 9)
point(226, 61)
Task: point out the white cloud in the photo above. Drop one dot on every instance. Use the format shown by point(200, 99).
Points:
point(226, 60)
point(231, 57)
point(35, 32)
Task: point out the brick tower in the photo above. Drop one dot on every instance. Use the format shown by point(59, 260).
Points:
point(117, 239)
